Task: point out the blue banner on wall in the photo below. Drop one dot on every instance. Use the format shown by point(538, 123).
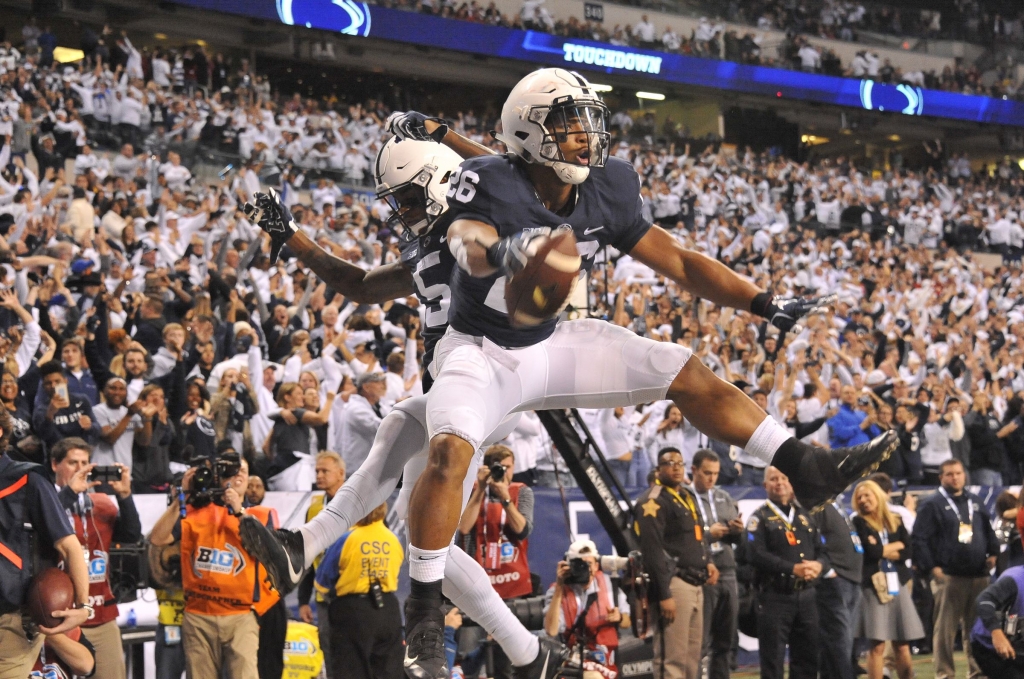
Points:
point(360, 19)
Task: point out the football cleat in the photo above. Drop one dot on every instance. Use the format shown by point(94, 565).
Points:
point(424, 638)
point(550, 659)
point(280, 551)
point(825, 474)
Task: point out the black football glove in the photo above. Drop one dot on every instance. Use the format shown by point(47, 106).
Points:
point(784, 313)
point(274, 218)
point(410, 125)
point(510, 254)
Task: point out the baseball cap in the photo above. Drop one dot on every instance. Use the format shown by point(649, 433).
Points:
point(79, 266)
point(581, 548)
point(368, 377)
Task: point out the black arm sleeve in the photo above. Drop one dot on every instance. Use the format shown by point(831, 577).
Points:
point(996, 598)
point(128, 528)
point(97, 350)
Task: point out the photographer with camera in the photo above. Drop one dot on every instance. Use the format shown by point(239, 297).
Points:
point(223, 584)
point(359, 575)
point(856, 421)
point(495, 528)
point(582, 606)
point(676, 557)
point(99, 522)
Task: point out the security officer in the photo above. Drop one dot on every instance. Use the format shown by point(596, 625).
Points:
point(675, 549)
point(359, 573)
point(785, 550)
point(330, 476)
point(722, 523)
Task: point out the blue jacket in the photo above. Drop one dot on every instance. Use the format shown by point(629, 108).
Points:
point(86, 386)
point(844, 428)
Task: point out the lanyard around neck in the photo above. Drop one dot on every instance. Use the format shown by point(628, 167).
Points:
point(778, 512)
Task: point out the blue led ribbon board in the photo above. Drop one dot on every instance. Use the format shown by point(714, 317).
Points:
point(353, 18)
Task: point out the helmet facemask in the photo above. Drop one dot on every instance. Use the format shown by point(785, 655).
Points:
point(411, 204)
point(585, 124)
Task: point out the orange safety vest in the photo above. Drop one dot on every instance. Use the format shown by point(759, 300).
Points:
point(218, 576)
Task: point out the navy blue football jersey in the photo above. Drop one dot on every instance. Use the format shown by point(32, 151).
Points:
point(431, 262)
point(496, 190)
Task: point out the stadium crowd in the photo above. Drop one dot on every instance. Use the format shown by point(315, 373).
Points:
point(713, 39)
point(141, 313)
point(137, 246)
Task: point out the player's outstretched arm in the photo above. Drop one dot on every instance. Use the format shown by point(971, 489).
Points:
point(364, 287)
point(710, 279)
point(696, 273)
point(419, 126)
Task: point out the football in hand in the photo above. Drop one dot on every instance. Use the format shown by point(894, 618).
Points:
point(50, 590)
point(539, 292)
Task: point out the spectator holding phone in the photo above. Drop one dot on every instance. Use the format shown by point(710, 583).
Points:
point(59, 413)
point(99, 521)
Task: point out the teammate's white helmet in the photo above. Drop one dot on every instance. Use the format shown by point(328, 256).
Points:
point(544, 109)
point(414, 175)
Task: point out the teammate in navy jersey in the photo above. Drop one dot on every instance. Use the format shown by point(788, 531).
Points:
point(413, 175)
point(558, 176)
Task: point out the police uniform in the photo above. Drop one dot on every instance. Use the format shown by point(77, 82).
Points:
point(359, 574)
point(484, 368)
point(721, 600)
point(673, 543)
point(779, 537)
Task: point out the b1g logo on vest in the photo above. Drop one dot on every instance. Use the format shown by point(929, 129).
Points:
point(227, 561)
point(98, 566)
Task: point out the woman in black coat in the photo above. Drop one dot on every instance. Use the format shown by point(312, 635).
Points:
point(888, 615)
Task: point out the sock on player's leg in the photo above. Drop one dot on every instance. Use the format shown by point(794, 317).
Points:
point(768, 440)
point(467, 585)
point(400, 438)
point(427, 565)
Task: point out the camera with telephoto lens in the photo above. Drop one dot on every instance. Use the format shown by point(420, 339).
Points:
point(498, 472)
point(208, 480)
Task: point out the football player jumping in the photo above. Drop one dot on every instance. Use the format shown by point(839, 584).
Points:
point(413, 175)
point(558, 175)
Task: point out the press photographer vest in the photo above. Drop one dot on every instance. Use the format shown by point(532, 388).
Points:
point(94, 526)
point(600, 632)
point(219, 577)
point(15, 541)
point(503, 558)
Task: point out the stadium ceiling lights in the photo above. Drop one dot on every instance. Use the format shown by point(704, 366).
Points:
point(598, 87)
point(67, 55)
point(813, 140)
point(653, 96)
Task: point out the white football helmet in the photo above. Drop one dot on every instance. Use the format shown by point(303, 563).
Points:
point(412, 176)
point(543, 110)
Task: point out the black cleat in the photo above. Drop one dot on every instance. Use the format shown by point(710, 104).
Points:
point(550, 658)
point(825, 474)
point(424, 638)
point(280, 551)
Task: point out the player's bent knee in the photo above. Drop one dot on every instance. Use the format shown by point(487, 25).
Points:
point(449, 457)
